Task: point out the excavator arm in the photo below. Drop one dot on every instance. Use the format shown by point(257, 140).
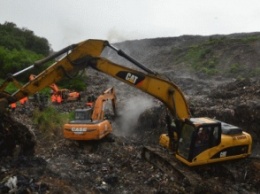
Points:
point(99, 106)
point(163, 90)
point(88, 54)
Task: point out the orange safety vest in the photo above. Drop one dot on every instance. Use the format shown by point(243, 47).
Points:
point(59, 99)
point(23, 100)
point(53, 98)
point(13, 105)
point(90, 104)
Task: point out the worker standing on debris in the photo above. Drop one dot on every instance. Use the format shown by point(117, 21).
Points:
point(23, 100)
point(13, 106)
point(59, 99)
point(53, 98)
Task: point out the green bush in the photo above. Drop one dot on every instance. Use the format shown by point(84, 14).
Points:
point(11, 88)
point(251, 38)
point(255, 72)
point(20, 48)
point(235, 68)
point(76, 83)
point(209, 71)
point(50, 122)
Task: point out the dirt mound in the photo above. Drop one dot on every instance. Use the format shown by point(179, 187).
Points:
point(234, 102)
point(15, 138)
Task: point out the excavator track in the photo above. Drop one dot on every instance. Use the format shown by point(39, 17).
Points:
point(192, 179)
point(184, 175)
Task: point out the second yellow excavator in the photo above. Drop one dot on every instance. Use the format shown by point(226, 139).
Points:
point(90, 123)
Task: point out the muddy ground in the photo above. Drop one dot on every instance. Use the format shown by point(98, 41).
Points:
point(115, 164)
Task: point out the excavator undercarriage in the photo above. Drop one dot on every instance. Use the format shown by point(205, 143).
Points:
point(189, 179)
point(166, 161)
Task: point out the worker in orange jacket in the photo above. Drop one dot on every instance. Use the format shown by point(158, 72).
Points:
point(13, 106)
point(59, 99)
point(23, 100)
point(53, 98)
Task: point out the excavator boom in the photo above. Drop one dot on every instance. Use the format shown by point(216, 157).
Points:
point(87, 54)
point(163, 90)
point(98, 110)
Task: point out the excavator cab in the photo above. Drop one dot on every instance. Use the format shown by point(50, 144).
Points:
point(196, 139)
point(82, 115)
point(204, 140)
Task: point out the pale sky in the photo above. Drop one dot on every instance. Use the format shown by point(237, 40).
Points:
point(65, 22)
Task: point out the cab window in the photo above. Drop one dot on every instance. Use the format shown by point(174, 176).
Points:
point(216, 135)
point(204, 138)
point(201, 140)
point(185, 140)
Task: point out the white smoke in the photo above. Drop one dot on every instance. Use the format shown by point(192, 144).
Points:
point(130, 113)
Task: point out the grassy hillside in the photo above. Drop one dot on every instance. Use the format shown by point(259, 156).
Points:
point(235, 55)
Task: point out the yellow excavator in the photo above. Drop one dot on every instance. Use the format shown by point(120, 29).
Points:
point(221, 142)
point(90, 123)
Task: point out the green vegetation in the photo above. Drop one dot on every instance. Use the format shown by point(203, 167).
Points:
point(236, 68)
point(20, 48)
point(251, 38)
point(205, 57)
point(10, 88)
point(50, 121)
point(77, 83)
point(14, 38)
point(202, 60)
point(255, 72)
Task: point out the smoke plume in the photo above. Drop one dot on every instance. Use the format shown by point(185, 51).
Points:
point(130, 113)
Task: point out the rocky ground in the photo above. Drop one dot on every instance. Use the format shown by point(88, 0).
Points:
point(116, 165)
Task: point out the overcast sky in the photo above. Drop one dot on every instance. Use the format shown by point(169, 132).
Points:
point(64, 22)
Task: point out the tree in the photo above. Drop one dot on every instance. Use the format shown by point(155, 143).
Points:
point(19, 48)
